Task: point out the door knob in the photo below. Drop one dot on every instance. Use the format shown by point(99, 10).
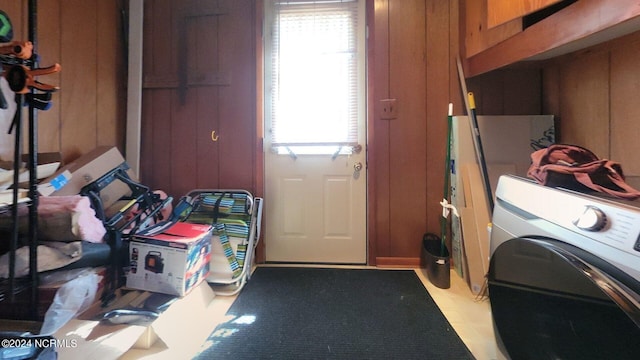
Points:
point(214, 137)
point(357, 166)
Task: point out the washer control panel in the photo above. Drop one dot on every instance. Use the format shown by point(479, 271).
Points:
point(591, 219)
point(610, 222)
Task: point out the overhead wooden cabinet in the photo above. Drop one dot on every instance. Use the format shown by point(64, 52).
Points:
point(579, 25)
point(199, 96)
point(501, 11)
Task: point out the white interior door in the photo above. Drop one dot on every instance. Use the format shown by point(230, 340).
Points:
point(315, 152)
point(316, 209)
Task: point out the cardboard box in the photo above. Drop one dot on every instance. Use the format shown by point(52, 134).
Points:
point(507, 143)
point(48, 164)
point(54, 184)
point(177, 333)
point(43, 158)
point(90, 167)
point(173, 261)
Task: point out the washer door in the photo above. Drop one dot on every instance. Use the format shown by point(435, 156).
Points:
point(551, 300)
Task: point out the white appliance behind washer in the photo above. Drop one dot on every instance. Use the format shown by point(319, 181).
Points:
point(564, 274)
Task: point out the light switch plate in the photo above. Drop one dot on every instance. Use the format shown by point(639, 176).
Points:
point(388, 109)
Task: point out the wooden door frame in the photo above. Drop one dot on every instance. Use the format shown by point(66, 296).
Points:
point(259, 110)
point(134, 81)
point(259, 183)
point(373, 79)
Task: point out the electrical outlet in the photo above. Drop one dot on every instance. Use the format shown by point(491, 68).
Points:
point(389, 109)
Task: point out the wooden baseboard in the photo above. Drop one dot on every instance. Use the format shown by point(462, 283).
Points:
point(398, 262)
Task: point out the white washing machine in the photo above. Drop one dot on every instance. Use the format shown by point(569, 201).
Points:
point(564, 273)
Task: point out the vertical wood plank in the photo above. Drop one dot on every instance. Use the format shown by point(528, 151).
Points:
point(551, 90)
point(455, 90)
point(161, 129)
point(147, 155)
point(183, 147)
point(49, 27)
point(146, 121)
point(183, 122)
point(208, 118)
point(521, 94)
point(149, 37)
point(379, 139)
point(161, 28)
point(110, 78)
point(208, 152)
point(625, 87)
point(585, 101)
point(79, 102)
point(437, 98)
point(407, 146)
point(237, 112)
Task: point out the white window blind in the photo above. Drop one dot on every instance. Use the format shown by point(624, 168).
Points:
point(314, 73)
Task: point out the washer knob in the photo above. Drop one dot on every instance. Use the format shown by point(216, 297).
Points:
point(591, 219)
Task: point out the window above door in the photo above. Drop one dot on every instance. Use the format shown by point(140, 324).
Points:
point(314, 75)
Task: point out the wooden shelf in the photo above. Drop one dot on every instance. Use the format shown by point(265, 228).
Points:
point(578, 26)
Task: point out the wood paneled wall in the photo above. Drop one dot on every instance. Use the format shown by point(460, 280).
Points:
point(513, 91)
point(199, 96)
point(87, 38)
point(413, 51)
point(399, 167)
point(594, 94)
point(411, 59)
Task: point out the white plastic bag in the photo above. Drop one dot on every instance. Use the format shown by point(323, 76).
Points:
point(71, 299)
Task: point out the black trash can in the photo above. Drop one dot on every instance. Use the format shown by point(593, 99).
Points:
point(435, 261)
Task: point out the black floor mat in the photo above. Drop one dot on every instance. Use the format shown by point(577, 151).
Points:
point(311, 313)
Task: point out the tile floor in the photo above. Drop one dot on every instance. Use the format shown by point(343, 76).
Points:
point(469, 316)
